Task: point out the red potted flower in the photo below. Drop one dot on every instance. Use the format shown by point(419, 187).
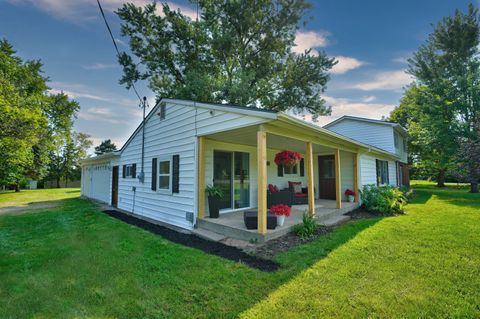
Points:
point(281, 211)
point(287, 158)
point(350, 195)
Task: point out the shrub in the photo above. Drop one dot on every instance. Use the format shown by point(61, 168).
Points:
point(307, 228)
point(383, 199)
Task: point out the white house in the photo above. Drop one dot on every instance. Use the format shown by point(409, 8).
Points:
point(188, 145)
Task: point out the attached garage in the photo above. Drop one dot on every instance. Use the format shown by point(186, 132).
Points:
point(97, 177)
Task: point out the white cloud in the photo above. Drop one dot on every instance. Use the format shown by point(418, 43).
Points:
point(79, 91)
point(345, 64)
point(99, 66)
point(76, 95)
point(361, 108)
point(86, 10)
point(401, 59)
point(305, 40)
point(368, 98)
point(389, 80)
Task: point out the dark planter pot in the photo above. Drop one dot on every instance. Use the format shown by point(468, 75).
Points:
point(214, 206)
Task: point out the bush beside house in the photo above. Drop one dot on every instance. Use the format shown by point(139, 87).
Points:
point(382, 200)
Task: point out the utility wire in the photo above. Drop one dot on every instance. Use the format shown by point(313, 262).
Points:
point(115, 45)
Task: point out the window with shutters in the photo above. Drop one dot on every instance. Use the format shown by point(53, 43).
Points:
point(165, 174)
point(382, 172)
point(130, 170)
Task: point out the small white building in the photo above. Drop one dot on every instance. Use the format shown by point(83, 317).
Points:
point(188, 145)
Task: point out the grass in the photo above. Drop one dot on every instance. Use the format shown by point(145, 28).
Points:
point(74, 262)
point(25, 197)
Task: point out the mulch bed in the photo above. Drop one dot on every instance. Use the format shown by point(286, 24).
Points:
point(207, 246)
point(286, 242)
point(361, 213)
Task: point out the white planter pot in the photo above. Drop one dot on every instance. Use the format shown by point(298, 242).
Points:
point(351, 198)
point(280, 220)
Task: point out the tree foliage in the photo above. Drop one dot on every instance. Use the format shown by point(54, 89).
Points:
point(443, 104)
point(31, 120)
point(467, 168)
point(65, 159)
point(238, 52)
point(105, 146)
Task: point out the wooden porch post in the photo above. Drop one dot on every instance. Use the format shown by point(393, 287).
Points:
point(262, 180)
point(310, 187)
point(338, 179)
point(355, 177)
point(201, 177)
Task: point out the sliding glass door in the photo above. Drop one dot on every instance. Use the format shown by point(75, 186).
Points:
point(231, 173)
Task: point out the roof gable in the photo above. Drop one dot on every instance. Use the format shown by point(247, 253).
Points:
point(394, 125)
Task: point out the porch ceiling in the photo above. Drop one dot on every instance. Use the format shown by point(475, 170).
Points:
point(248, 136)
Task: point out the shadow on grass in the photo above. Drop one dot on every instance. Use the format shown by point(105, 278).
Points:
point(459, 196)
point(304, 256)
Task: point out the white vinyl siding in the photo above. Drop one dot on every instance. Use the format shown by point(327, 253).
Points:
point(368, 170)
point(378, 135)
point(175, 134)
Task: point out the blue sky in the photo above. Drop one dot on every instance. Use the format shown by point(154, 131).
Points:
point(371, 39)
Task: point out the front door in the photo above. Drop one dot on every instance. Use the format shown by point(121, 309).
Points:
point(326, 170)
point(115, 186)
point(231, 173)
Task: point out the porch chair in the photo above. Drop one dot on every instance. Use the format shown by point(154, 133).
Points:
point(299, 193)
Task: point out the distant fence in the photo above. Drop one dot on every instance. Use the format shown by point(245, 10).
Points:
point(53, 184)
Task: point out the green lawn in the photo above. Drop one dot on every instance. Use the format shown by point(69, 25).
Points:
point(25, 197)
point(74, 262)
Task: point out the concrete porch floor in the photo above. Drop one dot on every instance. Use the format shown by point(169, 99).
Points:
point(231, 225)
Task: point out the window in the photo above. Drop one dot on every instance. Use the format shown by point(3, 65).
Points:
point(129, 170)
point(382, 172)
point(290, 170)
point(328, 168)
point(164, 174)
point(395, 140)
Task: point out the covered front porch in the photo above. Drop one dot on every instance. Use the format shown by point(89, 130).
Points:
point(240, 161)
point(231, 225)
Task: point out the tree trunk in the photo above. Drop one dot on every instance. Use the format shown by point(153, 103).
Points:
point(474, 187)
point(17, 187)
point(441, 178)
point(58, 182)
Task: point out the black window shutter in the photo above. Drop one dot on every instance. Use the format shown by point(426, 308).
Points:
point(378, 171)
point(154, 174)
point(124, 171)
point(387, 177)
point(134, 170)
point(176, 174)
point(302, 167)
point(280, 170)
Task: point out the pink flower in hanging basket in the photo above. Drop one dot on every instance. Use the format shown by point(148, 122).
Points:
point(287, 158)
point(280, 210)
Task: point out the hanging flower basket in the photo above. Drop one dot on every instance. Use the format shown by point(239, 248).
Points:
point(287, 158)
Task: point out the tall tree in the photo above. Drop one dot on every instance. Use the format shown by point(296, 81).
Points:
point(21, 118)
point(65, 159)
point(30, 119)
point(105, 147)
point(468, 160)
point(447, 96)
point(238, 52)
